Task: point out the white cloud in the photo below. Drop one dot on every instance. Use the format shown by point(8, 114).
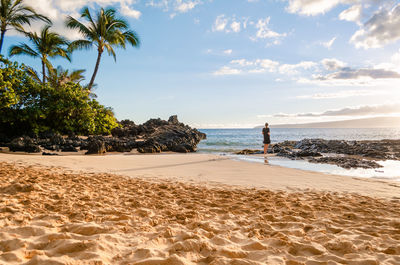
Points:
point(292, 69)
point(381, 29)
point(332, 64)
point(220, 23)
point(343, 94)
point(58, 10)
point(184, 6)
point(226, 24)
point(347, 73)
point(174, 6)
point(313, 7)
point(226, 70)
point(228, 52)
point(264, 32)
point(334, 72)
point(235, 26)
point(258, 66)
point(128, 11)
point(354, 14)
point(328, 72)
point(328, 44)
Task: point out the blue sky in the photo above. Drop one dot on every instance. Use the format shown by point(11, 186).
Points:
point(239, 63)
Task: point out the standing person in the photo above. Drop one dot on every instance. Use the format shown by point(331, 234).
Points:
point(267, 139)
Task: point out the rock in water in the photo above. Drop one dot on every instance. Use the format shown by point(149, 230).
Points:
point(249, 152)
point(346, 162)
point(307, 153)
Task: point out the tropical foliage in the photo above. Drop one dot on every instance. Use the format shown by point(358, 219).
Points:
point(14, 14)
point(105, 31)
point(28, 107)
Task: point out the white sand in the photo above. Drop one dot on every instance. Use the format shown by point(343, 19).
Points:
point(51, 215)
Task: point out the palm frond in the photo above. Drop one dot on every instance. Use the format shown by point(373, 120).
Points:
point(132, 37)
point(80, 45)
point(73, 23)
point(33, 74)
point(110, 51)
point(23, 49)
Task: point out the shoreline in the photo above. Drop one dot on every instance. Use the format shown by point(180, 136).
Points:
point(205, 168)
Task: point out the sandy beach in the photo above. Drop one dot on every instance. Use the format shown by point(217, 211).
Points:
point(190, 209)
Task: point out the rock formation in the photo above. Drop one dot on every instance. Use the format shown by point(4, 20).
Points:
point(153, 136)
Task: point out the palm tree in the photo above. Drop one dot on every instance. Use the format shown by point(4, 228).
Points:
point(58, 76)
point(14, 14)
point(46, 45)
point(105, 31)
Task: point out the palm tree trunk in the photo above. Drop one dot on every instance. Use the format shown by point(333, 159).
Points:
point(3, 32)
point(96, 68)
point(44, 72)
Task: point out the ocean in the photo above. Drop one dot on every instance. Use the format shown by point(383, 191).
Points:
point(228, 141)
point(231, 140)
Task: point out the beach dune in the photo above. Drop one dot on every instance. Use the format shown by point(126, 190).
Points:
point(55, 215)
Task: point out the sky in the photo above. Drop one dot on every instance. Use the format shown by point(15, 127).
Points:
point(241, 63)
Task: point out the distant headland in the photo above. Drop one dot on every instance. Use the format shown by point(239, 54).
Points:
point(377, 122)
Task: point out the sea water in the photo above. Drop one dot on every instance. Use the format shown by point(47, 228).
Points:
point(228, 141)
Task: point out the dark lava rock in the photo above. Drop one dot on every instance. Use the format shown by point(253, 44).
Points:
point(68, 148)
point(152, 123)
point(96, 145)
point(307, 153)
point(286, 152)
point(276, 148)
point(4, 139)
point(249, 152)
point(57, 139)
point(49, 154)
point(120, 145)
point(175, 137)
point(173, 119)
point(150, 146)
point(346, 162)
point(382, 149)
point(153, 136)
point(24, 144)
